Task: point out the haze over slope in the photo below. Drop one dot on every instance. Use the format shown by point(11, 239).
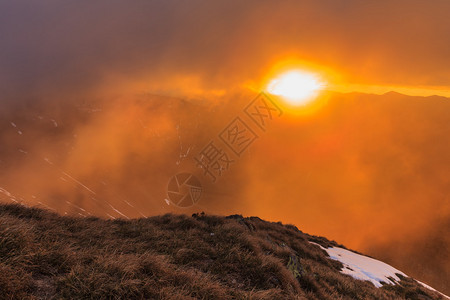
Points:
point(356, 169)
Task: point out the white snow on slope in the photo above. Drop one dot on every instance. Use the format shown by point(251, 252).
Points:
point(362, 267)
point(365, 268)
point(430, 288)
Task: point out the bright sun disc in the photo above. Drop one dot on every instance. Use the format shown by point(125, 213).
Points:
point(295, 87)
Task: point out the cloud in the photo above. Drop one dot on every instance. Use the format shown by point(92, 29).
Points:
point(73, 49)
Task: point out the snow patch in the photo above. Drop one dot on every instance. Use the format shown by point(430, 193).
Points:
point(364, 268)
point(430, 288)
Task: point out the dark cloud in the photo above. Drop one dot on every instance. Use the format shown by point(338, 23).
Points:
point(49, 47)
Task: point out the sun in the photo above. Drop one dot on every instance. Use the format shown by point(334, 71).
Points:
point(296, 87)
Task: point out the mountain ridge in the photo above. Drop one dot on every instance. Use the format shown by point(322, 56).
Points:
point(48, 256)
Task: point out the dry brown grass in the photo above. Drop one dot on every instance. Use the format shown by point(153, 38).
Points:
point(46, 256)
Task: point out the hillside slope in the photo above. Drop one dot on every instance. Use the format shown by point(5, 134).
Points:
point(44, 256)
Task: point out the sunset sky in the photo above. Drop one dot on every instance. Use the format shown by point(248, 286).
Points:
point(53, 48)
point(101, 103)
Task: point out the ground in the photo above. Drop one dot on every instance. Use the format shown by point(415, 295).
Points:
point(47, 256)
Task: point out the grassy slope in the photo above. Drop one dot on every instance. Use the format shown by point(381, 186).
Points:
point(43, 255)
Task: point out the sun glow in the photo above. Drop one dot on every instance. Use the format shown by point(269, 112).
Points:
point(296, 87)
